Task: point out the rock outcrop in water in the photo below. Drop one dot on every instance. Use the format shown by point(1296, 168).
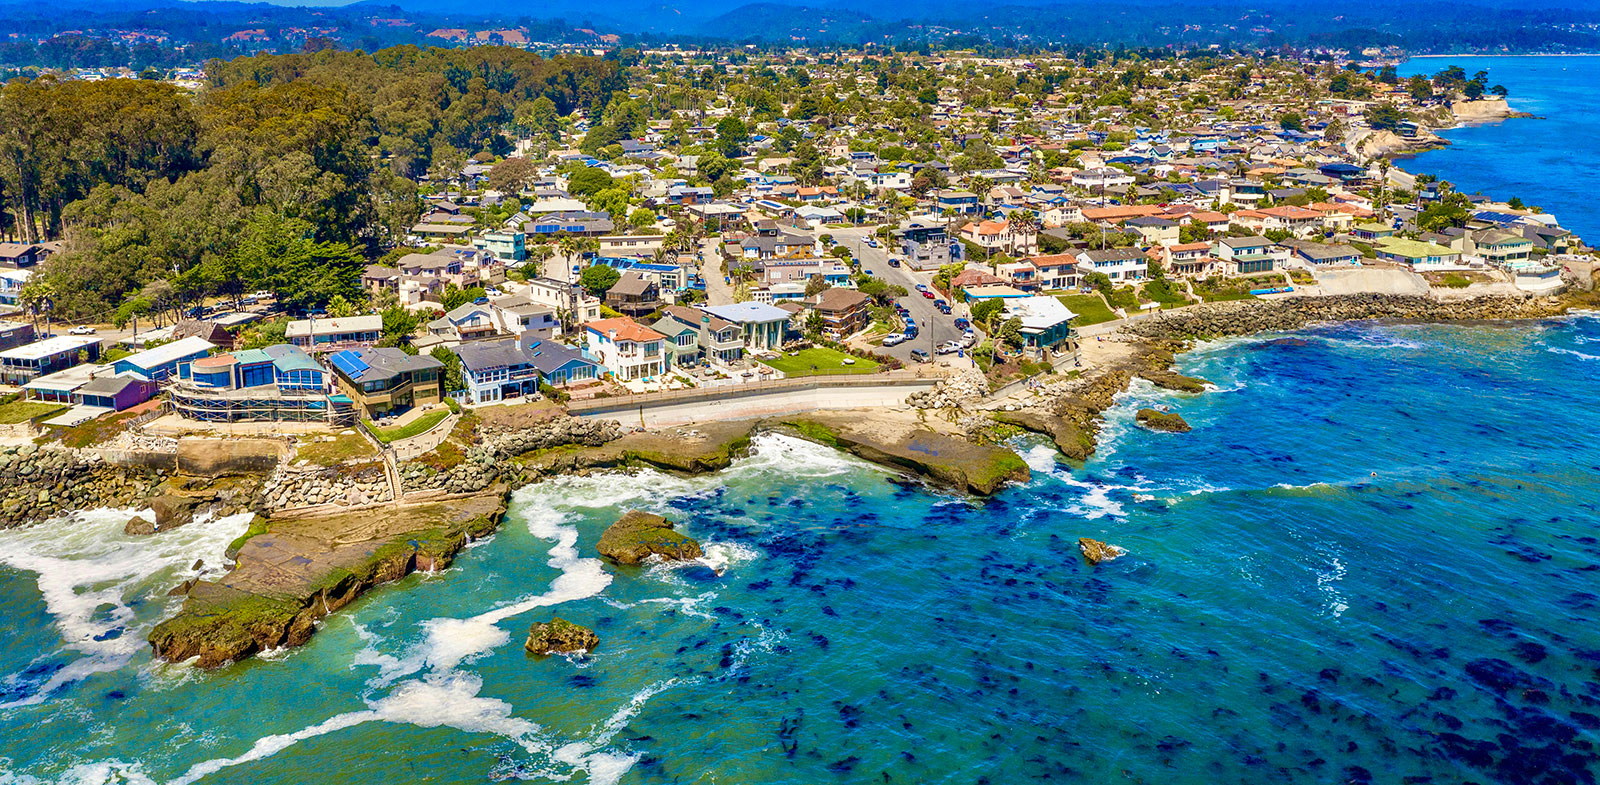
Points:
point(559, 636)
point(1157, 420)
point(637, 535)
point(290, 573)
point(1095, 551)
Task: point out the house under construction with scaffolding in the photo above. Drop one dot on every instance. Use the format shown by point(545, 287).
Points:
point(276, 384)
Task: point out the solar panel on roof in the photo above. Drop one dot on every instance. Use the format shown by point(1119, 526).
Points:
point(349, 362)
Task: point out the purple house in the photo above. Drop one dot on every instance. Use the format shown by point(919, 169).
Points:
point(115, 392)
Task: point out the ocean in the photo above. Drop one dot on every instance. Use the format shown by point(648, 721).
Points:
point(1373, 560)
point(1549, 162)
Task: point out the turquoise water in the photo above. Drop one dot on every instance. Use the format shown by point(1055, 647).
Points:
point(1373, 559)
point(1549, 162)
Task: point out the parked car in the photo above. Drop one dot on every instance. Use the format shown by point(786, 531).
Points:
point(949, 347)
point(927, 295)
point(871, 243)
point(895, 339)
point(261, 294)
point(922, 287)
point(920, 356)
point(968, 340)
point(894, 261)
point(963, 324)
point(82, 329)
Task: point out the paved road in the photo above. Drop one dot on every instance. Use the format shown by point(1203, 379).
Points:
point(933, 327)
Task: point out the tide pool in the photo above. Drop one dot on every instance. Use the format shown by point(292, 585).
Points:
point(1550, 162)
point(1374, 558)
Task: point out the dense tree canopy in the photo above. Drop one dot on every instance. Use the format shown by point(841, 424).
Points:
point(268, 178)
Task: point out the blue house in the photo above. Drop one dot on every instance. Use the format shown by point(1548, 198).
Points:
point(165, 361)
point(511, 368)
point(275, 384)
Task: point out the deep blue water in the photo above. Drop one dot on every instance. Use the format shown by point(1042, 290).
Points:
point(1552, 162)
point(1373, 560)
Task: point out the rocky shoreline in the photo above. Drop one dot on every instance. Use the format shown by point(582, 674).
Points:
point(351, 534)
point(1070, 412)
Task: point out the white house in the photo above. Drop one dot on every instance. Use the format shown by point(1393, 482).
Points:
point(1118, 264)
point(627, 349)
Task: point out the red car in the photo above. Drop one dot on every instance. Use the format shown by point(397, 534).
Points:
point(927, 294)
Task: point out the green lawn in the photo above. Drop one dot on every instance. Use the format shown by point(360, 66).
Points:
point(418, 426)
point(819, 360)
point(1089, 308)
point(1166, 292)
point(1124, 298)
point(113, 354)
point(22, 411)
point(345, 447)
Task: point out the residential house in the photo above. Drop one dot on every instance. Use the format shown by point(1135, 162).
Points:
point(1189, 260)
point(11, 284)
point(760, 326)
point(777, 246)
point(514, 366)
point(333, 334)
point(844, 312)
point(1101, 178)
point(638, 245)
point(467, 322)
point(508, 247)
point(379, 381)
point(1323, 255)
point(21, 256)
point(570, 299)
point(115, 393)
point(1054, 272)
point(23, 364)
point(713, 338)
point(519, 315)
point(1046, 322)
point(1300, 221)
point(1154, 229)
point(169, 360)
point(1244, 255)
point(579, 223)
point(634, 294)
point(1416, 253)
point(1372, 232)
point(279, 383)
point(926, 247)
point(1500, 247)
point(1118, 264)
point(14, 334)
point(998, 237)
point(627, 349)
point(955, 202)
point(209, 330)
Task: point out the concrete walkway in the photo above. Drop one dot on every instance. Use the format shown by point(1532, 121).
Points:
point(769, 405)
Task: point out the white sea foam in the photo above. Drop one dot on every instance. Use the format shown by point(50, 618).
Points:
point(1041, 458)
point(89, 572)
point(1572, 352)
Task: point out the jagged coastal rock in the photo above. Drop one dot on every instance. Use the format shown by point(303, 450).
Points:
point(559, 636)
point(637, 535)
point(1095, 551)
point(139, 526)
point(1157, 420)
point(1245, 317)
point(292, 572)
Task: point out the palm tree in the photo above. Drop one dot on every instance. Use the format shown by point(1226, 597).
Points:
point(1022, 222)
